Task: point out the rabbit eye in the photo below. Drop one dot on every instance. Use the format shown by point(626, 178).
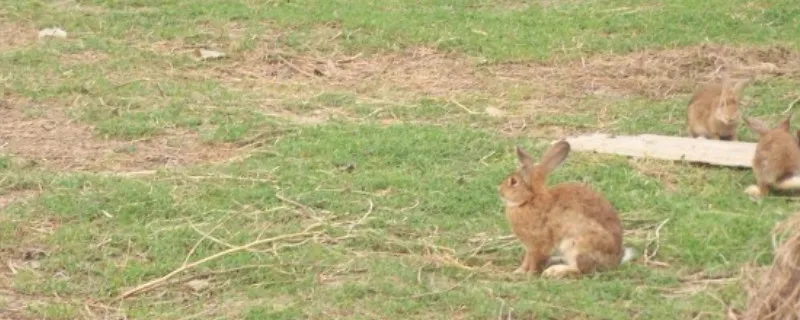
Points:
point(512, 182)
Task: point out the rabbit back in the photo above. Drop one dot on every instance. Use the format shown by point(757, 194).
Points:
point(586, 224)
point(713, 110)
point(777, 157)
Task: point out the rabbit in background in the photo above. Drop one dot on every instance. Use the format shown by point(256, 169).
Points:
point(570, 218)
point(776, 163)
point(713, 111)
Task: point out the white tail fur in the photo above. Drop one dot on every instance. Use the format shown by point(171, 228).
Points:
point(791, 183)
point(628, 255)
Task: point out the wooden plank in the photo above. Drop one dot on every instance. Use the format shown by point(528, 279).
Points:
point(715, 152)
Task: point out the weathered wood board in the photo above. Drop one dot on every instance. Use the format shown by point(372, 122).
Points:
point(715, 152)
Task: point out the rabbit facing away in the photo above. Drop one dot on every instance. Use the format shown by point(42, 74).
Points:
point(776, 163)
point(713, 111)
point(569, 218)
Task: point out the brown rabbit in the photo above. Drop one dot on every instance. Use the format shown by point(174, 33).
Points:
point(798, 136)
point(776, 162)
point(714, 110)
point(570, 218)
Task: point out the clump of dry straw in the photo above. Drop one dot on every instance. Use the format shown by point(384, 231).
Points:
point(775, 294)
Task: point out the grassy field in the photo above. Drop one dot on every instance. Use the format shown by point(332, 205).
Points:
point(361, 143)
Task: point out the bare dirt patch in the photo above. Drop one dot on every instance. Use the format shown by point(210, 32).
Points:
point(14, 35)
point(658, 74)
point(52, 139)
point(14, 196)
point(85, 57)
point(74, 6)
point(422, 71)
point(309, 118)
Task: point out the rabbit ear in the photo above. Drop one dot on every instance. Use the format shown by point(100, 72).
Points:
point(738, 85)
point(784, 125)
point(756, 125)
point(735, 86)
point(554, 156)
point(525, 161)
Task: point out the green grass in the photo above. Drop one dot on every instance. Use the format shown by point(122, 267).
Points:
point(150, 230)
point(397, 190)
point(510, 30)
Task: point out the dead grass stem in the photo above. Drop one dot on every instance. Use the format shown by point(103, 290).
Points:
point(155, 283)
point(775, 293)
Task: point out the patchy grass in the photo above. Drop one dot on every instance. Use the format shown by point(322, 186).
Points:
point(510, 30)
point(364, 151)
point(405, 210)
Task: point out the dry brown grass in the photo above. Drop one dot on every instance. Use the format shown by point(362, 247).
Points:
point(14, 196)
point(656, 74)
point(52, 139)
point(76, 6)
point(84, 57)
point(15, 35)
point(273, 75)
point(775, 293)
point(25, 255)
point(664, 172)
point(555, 85)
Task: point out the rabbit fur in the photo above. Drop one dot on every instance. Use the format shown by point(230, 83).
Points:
point(713, 111)
point(570, 218)
point(776, 163)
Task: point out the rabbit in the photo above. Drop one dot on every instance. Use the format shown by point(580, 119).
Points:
point(776, 162)
point(570, 218)
point(714, 110)
point(798, 137)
